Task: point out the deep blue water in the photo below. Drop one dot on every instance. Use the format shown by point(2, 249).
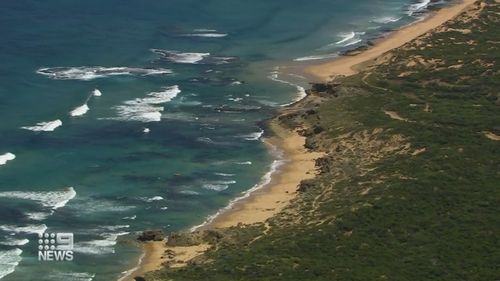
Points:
point(175, 134)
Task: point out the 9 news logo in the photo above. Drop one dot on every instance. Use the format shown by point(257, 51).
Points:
point(55, 247)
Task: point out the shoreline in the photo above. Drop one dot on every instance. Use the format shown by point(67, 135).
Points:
point(349, 65)
point(261, 203)
point(256, 205)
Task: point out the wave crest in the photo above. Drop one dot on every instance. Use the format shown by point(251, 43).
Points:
point(51, 199)
point(48, 126)
point(86, 73)
point(6, 157)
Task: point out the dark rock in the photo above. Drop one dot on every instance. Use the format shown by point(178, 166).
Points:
point(139, 278)
point(212, 236)
point(325, 88)
point(306, 185)
point(318, 130)
point(325, 165)
point(311, 144)
point(311, 111)
point(151, 235)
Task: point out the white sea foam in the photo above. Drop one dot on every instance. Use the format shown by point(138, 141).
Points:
point(235, 99)
point(205, 140)
point(38, 216)
point(301, 91)
point(6, 157)
point(206, 32)
point(192, 58)
point(114, 227)
point(349, 38)
point(14, 242)
point(253, 136)
point(265, 180)
point(93, 72)
point(384, 20)
point(44, 126)
point(51, 199)
point(418, 7)
point(9, 261)
point(130, 218)
point(218, 185)
point(317, 57)
point(146, 109)
point(346, 37)
point(96, 93)
point(207, 35)
point(152, 199)
point(188, 192)
point(91, 206)
point(244, 163)
point(36, 229)
point(126, 274)
point(99, 246)
point(179, 57)
point(225, 175)
point(80, 110)
point(354, 42)
point(72, 276)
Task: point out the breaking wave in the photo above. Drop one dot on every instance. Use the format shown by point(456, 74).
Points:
point(384, 20)
point(93, 72)
point(253, 136)
point(218, 185)
point(179, 57)
point(207, 33)
point(418, 7)
point(99, 246)
point(80, 110)
point(301, 91)
point(34, 229)
point(265, 180)
point(50, 199)
point(72, 276)
point(44, 126)
point(9, 261)
point(317, 57)
point(192, 58)
point(6, 157)
point(96, 93)
point(146, 109)
point(14, 242)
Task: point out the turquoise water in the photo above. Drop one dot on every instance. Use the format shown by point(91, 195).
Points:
point(175, 133)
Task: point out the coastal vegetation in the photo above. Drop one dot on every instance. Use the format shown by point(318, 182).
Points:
point(408, 188)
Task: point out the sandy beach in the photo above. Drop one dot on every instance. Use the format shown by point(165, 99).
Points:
point(349, 65)
point(262, 204)
point(272, 198)
point(299, 163)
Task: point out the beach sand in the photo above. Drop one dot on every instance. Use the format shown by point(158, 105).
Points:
point(261, 205)
point(300, 164)
point(272, 198)
point(349, 65)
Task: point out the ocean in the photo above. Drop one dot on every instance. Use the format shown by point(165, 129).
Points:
point(123, 116)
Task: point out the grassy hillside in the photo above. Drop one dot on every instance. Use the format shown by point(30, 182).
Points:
point(410, 186)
